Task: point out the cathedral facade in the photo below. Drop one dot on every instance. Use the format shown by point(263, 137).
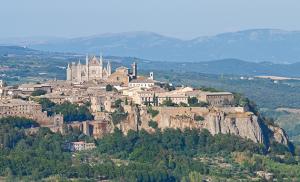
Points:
point(93, 69)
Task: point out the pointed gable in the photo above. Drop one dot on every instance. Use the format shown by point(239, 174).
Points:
point(94, 62)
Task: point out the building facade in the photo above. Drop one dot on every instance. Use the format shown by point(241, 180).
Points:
point(93, 69)
point(28, 109)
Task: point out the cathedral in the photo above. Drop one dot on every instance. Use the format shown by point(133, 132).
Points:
point(92, 70)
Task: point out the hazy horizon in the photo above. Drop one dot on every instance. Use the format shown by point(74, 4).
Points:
point(184, 20)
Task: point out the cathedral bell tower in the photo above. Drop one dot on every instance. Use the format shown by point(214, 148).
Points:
point(134, 70)
point(108, 68)
point(79, 70)
point(87, 67)
point(101, 66)
point(69, 73)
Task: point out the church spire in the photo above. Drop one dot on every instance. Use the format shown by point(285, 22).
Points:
point(87, 67)
point(101, 60)
point(87, 59)
point(108, 68)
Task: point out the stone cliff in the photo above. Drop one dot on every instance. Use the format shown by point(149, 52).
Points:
point(233, 120)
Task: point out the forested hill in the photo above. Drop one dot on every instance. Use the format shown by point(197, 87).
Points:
point(16, 50)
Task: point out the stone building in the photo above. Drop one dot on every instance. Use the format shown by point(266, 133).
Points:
point(96, 129)
point(213, 98)
point(93, 69)
point(142, 97)
point(80, 146)
point(29, 88)
point(28, 109)
point(124, 75)
point(142, 82)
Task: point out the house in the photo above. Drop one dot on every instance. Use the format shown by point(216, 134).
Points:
point(80, 146)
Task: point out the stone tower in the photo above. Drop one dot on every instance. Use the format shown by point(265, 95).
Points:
point(79, 76)
point(87, 66)
point(108, 68)
point(69, 73)
point(134, 70)
point(101, 66)
point(151, 76)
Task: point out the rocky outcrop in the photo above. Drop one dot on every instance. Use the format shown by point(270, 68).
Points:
point(233, 120)
point(242, 124)
point(278, 135)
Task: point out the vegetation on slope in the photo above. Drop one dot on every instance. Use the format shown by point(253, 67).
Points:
point(71, 112)
point(171, 155)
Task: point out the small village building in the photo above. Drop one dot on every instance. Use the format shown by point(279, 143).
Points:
point(80, 146)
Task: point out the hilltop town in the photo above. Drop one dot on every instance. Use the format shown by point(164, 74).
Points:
point(125, 100)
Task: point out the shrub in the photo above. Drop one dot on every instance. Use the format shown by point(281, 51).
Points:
point(109, 88)
point(199, 118)
point(118, 116)
point(152, 124)
point(117, 103)
point(169, 103)
point(152, 112)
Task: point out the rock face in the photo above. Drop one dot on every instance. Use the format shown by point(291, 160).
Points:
point(233, 120)
point(279, 135)
point(241, 124)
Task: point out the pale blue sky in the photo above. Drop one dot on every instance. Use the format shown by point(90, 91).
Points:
point(179, 18)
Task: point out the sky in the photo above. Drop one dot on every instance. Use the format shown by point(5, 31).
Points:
point(183, 19)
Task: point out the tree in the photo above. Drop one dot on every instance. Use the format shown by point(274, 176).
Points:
point(38, 92)
point(73, 112)
point(182, 104)
point(109, 88)
point(47, 105)
point(118, 103)
point(192, 101)
point(152, 111)
point(168, 102)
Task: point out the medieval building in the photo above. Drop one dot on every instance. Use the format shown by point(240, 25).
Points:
point(92, 70)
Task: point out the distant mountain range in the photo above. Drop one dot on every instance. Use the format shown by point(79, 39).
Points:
point(223, 66)
point(256, 45)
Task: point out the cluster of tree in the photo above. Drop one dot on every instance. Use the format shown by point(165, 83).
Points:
point(240, 100)
point(194, 102)
point(152, 111)
point(168, 102)
point(118, 115)
point(36, 155)
point(74, 112)
point(71, 112)
point(169, 153)
point(38, 92)
point(12, 130)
